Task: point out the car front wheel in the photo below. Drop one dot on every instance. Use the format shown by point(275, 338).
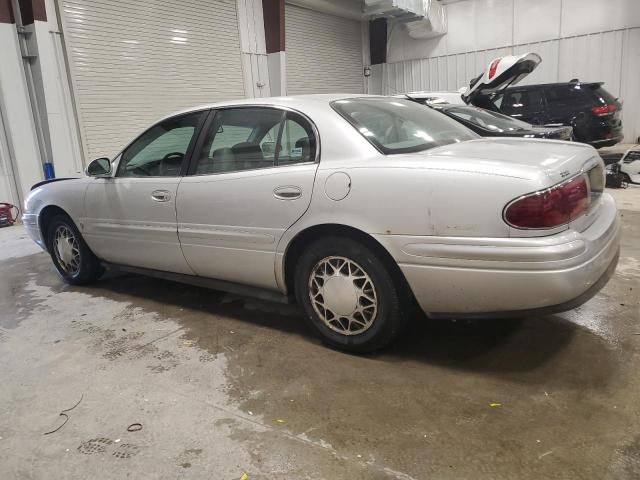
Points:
point(71, 256)
point(349, 296)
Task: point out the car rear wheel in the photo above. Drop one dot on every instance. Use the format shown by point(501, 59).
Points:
point(71, 256)
point(349, 296)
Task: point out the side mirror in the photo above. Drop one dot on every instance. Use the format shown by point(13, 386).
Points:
point(100, 167)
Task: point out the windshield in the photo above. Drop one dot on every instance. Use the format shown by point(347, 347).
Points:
point(395, 125)
point(496, 122)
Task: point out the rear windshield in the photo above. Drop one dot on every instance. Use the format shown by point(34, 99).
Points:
point(579, 93)
point(395, 125)
point(496, 122)
point(601, 94)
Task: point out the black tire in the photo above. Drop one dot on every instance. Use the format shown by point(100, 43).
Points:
point(86, 269)
point(389, 319)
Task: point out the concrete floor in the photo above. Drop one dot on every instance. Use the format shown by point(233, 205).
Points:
point(224, 385)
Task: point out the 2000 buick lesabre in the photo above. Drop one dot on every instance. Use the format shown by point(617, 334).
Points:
point(354, 206)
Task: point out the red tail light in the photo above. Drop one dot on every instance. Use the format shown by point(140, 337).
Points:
point(493, 67)
point(604, 109)
point(550, 208)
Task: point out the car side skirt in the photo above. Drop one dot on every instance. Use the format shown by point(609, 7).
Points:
point(211, 283)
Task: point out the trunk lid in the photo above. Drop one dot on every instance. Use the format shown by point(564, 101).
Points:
point(522, 158)
point(501, 73)
point(545, 163)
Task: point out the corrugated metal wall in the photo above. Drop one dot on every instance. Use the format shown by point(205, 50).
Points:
point(610, 57)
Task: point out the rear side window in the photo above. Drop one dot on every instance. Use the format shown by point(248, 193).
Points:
point(297, 142)
point(600, 94)
point(565, 95)
point(252, 138)
point(514, 102)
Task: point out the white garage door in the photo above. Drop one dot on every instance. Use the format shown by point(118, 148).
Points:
point(133, 61)
point(323, 52)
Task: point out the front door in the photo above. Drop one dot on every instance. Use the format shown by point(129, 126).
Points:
point(130, 218)
point(250, 179)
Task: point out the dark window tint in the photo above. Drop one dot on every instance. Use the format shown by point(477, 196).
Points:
point(600, 94)
point(253, 138)
point(565, 95)
point(518, 101)
point(160, 151)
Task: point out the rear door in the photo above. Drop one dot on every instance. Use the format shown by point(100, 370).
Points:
point(130, 218)
point(250, 179)
point(565, 104)
point(525, 104)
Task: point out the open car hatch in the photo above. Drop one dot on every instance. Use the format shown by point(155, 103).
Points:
point(500, 74)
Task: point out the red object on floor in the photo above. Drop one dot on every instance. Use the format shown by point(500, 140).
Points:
point(7, 216)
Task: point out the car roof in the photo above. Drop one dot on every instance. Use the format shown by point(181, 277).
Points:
point(294, 101)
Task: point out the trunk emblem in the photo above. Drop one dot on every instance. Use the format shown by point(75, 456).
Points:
point(565, 173)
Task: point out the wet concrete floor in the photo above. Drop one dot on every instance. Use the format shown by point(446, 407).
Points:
point(224, 385)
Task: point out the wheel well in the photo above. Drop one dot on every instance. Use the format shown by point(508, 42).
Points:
point(44, 220)
point(309, 235)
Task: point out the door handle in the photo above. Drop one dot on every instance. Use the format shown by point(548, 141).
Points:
point(161, 195)
point(287, 193)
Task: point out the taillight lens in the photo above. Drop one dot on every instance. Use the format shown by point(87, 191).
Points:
point(550, 208)
point(601, 110)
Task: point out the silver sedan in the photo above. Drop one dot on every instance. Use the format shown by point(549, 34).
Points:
point(355, 207)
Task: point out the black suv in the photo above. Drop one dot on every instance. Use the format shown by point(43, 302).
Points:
point(594, 113)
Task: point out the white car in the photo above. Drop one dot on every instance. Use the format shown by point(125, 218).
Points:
point(500, 74)
point(354, 206)
point(630, 164)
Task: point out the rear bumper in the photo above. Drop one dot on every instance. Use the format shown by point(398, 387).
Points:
point(608, 142)
point(603, 134)
point(479, 277)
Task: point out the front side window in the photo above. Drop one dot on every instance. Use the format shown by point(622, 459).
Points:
point(251, 138)
point(395, 125)
point(161, 150)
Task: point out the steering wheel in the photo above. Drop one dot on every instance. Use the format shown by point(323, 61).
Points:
point(163, 167)
point(172, 154)
point(140, 170)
